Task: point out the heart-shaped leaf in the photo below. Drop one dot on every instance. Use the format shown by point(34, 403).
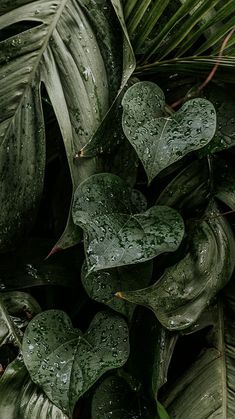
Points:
point(186, 288)
point(65, 362)
point(102, 286)
point(161, 140)
point(116, 237)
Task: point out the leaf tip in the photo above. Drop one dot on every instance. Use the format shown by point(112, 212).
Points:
point(54, 250)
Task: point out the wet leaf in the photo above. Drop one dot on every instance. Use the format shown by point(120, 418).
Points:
point(189, 189)
point(185, 289)
point(21, 398)
point(71, 47)
point(65, 362)
point(116, 237)
point(152, 347)
point(161, 140)
point(115, 399)
point(102, 286)
point(207, 388)
point(224, 103)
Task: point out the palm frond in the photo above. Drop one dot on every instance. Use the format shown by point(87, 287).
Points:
point(185, 34)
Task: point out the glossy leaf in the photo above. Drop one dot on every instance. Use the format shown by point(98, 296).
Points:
point(102, 286)
point(65, 362)
point(21, 398)
point(185, 289)
point(71, 47)
point(207, 388)
point(115, 399)
point(224, 104)
point(161, 140)
point(152, 347)
point(189, 189)
point(116, 237)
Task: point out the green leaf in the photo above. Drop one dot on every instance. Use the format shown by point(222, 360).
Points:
point(152, 347)
point(20, 307)
point(21, 398)
point(102, 286)
point(207, 388)
point(115, 399)
point(162, 411)
point(71, 47)
point(65, 362)
point(224, 104)
point(185, 289)
point(189, 189)
point(16, 308)
point(116, 237)
point(161, 140)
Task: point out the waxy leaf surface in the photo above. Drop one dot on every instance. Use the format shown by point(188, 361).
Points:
point(185, 289)
point(161, 139)
point(21, 398)
point(65, 362)
point(114, 235)
point(102, 286)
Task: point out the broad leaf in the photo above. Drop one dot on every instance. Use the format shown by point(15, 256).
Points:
point(115, 399)
point(161, 140)
point(102, 286)
point(71, 47)
point(207, 388)
point(116, 237)
point(65, 362)
point(21, 398)
point(185, 289)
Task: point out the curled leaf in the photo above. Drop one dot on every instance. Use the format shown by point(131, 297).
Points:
point(185, 289)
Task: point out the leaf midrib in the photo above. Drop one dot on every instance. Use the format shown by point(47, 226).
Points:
point(37, 61)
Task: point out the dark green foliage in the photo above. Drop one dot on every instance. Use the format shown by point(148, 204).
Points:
point(136, 178)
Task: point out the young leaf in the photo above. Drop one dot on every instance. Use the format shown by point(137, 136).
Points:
point(116, 237)
point(65, 362)
point(115, 399)
point(161, 140)
point(185, 289)
point(102, 286)
point(21, 398)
